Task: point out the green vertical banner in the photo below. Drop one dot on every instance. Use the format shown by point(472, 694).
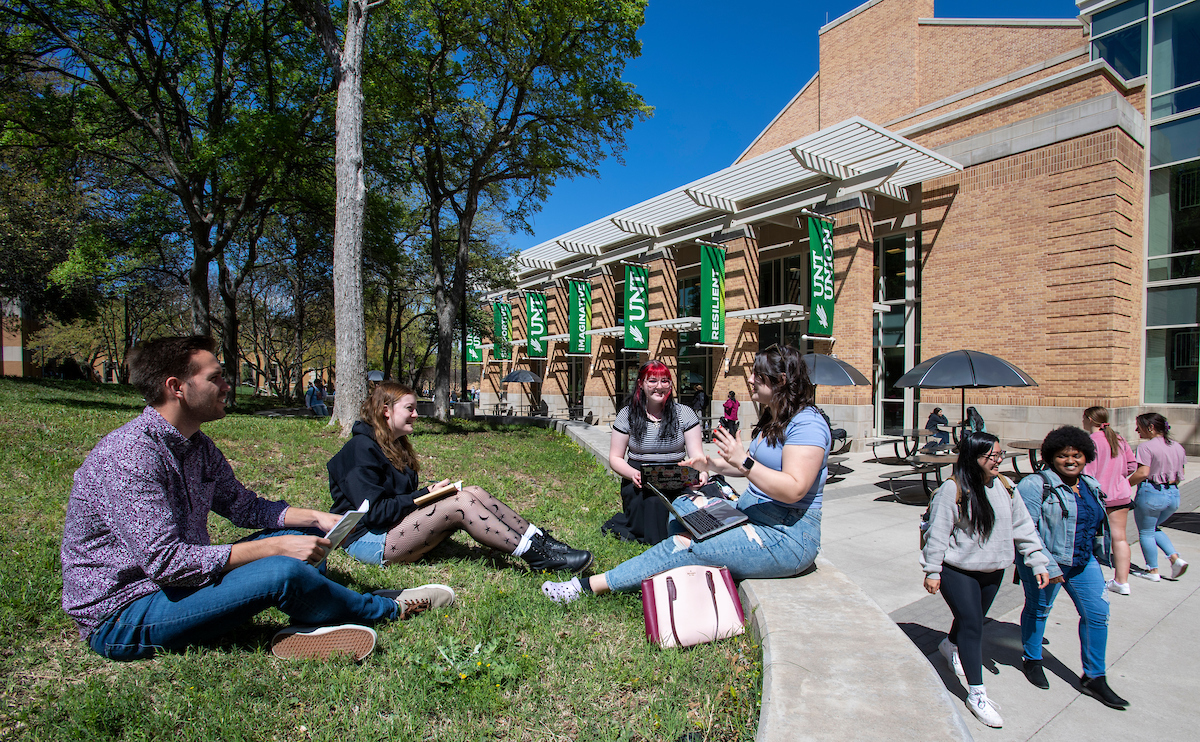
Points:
point(579, 316)
point(474, 348)
point(501, 331)
point(712, 295)
point(535, 324)
point(637, 307)
point(820, 246)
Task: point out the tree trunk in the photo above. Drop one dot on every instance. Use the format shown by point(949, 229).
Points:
point(229, 340)
point(198, 288)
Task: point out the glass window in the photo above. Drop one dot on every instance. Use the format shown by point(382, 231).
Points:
point(1165, 269)
point(689, 297)
point(889, 266)
point(1176, 33)
point(783, 281)
point(784, 333)
point(1107, 20)
point(627, 365)
point(892, 326)
point(1175, 209)
point(1170, 104)
point(1164, 4)
point(1173, 305)
point(1174, 141)
point(1173, 366)
point(1125, 50)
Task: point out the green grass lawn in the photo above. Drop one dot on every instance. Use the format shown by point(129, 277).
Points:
point(504, 664)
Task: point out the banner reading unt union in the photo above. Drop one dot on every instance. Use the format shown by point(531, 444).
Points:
point(579, 316)
point(535, 324)
point(501, 331)
point(636, 307)
point(820, 246)
point(474, 348)
point(712, 294)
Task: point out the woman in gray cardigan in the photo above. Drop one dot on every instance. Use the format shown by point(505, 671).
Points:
point(974, 521)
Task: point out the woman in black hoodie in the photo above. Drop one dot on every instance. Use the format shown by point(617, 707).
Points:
point(379, 464)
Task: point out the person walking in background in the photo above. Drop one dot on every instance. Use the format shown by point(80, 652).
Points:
point(1111, 468)
point(730, 419)
point(974, 522)
point(700, 402)
point(1160, 463)
point(1067, 508)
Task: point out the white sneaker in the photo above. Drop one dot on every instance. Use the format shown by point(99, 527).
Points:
point(985, 709)
point(1152, 576)
point(950, 652)
point(1178, 567)
point(1117, 587)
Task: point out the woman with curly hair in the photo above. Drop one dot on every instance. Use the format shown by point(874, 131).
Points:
point(785, 466)
point(379, 464)
point(652, 429)
point(1111, 468)
point(1067, 508)
point(974, 522)
point(1160, 463)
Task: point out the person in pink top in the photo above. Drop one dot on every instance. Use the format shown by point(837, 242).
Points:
point(1160, 463)
point(1112, 466)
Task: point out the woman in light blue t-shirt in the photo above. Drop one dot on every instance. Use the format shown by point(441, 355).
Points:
point(785, 466)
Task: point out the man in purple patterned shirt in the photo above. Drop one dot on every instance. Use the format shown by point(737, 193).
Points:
point(140, 573)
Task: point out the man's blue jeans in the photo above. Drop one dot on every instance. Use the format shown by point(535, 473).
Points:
point(1085, 585)
point(777, 542)
point(1153, 505)
point(176, 617)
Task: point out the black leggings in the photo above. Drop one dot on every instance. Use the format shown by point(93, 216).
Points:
point(969, 595)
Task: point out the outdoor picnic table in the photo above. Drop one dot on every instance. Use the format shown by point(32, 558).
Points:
point(910, 439)
point(1032, 447)
point(924, 462)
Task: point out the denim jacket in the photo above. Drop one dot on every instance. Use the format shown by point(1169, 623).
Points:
point(1056, 531)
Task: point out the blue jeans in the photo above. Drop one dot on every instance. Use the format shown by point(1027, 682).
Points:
point(1085, 584)
point(1153, 505)
point(177, 617)
point(777, 542)
point(368, 547)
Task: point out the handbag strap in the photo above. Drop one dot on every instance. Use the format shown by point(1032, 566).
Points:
point(671, 606)
point(712, 589)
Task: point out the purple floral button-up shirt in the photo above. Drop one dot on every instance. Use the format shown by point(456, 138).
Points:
point(137, 519)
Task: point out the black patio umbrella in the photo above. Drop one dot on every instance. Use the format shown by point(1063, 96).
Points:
point(374, 376)
point(960, 369)
point(521, 376)
point(826, 370)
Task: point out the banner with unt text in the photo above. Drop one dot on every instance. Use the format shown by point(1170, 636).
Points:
point(474, 348)
point(820, 308)
point(579, 316)
point(637, 307)
point(535, 324)
point(501, 331)
point(712, 295)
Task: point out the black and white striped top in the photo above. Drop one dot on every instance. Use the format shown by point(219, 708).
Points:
point(652, 449)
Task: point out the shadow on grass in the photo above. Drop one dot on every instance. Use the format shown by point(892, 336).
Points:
point(92, 404)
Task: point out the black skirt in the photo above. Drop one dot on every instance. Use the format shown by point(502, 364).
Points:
point(643, 516)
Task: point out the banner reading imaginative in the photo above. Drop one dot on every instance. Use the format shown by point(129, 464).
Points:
point(474, 347)
point(501, 331)
point(820, 246)
point(636, 307)
point(535, 324)
point(579, 317)
point(712, 295)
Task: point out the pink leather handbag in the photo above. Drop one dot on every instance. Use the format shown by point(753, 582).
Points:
point(691, 605)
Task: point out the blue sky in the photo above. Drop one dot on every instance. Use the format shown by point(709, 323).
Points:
point(717, 72)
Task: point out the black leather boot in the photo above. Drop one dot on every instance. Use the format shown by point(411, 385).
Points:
point(544, 556)
point(1034, 673)
point(1098, 688)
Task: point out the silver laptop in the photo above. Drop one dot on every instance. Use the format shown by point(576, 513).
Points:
point(715, 517)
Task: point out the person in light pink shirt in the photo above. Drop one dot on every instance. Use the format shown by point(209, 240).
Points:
point(1112, 466)
point(1160, 463)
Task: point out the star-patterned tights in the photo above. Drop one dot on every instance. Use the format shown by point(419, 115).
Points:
point(486, 519)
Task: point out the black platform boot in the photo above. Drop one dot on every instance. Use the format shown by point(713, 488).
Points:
point(548, 555)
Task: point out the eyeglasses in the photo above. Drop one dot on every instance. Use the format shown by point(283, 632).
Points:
point(658, 382)
point(995, 457)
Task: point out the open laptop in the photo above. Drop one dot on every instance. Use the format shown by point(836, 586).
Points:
point(715, 517)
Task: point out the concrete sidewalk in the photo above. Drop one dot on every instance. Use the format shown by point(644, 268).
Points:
point(1153, 660)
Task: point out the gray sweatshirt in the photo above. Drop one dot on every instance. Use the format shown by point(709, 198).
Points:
point(952, 542)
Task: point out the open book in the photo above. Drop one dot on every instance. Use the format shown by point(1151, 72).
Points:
point(343, 527)
point(435, 495)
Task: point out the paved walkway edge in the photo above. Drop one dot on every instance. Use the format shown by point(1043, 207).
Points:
point(835, 667)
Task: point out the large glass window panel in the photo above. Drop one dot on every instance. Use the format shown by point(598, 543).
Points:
point(1176, 41)
point(1174, 141)
point(1125, 50)
point(889, 265)
point(892, 327)
point(1173, 366)
point(1175, 210)
point(783, 281)
point(1170, 104)
point(1107, 20)
point(1165, 269)
point(1164, 4)
point(1173, 305)
point(689, 296)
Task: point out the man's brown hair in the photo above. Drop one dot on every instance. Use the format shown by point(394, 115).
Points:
point(153, 362)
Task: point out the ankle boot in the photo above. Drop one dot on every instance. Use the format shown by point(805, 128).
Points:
point(1098, 688)
point(544, 556)
point(553, 543)
point(1034, 673)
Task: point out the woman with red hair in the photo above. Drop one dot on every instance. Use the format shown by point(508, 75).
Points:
point(653, 428)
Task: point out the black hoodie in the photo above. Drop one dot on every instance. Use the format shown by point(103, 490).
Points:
point(361, 471)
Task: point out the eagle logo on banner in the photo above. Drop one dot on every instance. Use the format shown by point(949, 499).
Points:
point(821, 316)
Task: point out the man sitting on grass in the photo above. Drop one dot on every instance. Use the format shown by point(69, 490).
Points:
point(140, 573)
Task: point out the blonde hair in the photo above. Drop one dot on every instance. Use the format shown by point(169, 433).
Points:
point(383, 397)
point(1098, 416)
